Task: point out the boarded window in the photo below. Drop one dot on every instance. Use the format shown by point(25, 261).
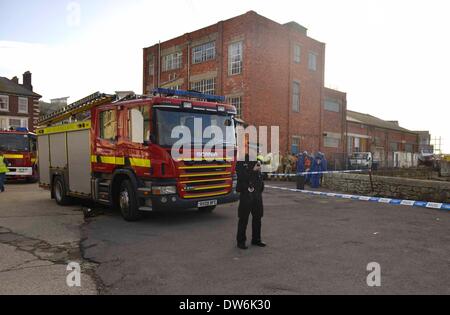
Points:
point(296, 96)
point(312, 61)
point(331, 142)
point(332, 106)
point(297, 53)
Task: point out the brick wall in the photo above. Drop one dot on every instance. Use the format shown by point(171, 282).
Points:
point(265, 83)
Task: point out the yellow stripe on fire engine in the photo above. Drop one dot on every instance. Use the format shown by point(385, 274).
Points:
point(116, 160)
point(140, 162)
point(205, 180)
point(204, 174)
point(207, 187)
point(13, 156)
point(65, 128)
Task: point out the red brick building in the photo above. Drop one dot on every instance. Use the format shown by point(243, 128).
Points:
point(19, 105)
point(385, 139)
point(273, 73)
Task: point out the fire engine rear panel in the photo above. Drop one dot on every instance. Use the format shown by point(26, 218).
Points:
point(58, 153)
point(44, 160)
point(79, 161)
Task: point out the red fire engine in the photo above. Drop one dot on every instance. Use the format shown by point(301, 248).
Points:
point(118, 152)
point(19, 148)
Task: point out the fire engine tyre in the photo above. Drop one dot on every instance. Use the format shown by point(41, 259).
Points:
point(207, 209)
point(127, 202)
point(59, 192)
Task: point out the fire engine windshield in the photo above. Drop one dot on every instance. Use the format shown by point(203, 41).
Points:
point(14, 142)
point(167, 120)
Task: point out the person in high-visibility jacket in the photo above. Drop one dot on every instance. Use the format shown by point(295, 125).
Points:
point(3, 170)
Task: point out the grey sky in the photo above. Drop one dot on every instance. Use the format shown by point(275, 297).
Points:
point(391, 57)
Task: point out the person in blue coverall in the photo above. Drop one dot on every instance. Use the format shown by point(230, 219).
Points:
point(316, 167)
point(324, 164)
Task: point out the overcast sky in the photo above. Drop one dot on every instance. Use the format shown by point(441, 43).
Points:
point(391, 57)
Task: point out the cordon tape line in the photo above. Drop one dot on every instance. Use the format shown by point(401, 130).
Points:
point(315, 173)
point(412, 203)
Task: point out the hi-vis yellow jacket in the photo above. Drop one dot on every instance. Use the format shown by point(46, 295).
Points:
point(3, 168)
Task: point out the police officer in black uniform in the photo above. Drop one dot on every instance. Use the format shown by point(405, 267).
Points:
point(250, 185)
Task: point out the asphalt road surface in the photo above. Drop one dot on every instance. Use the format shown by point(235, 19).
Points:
point(317, 245)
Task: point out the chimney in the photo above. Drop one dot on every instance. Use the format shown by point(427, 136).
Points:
point(395, 122)
point(15, 80)
point(27, 81)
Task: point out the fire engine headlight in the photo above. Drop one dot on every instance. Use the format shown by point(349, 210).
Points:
point(164, 190)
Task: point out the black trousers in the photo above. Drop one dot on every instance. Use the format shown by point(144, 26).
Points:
point(249, 203)
point(300, 182)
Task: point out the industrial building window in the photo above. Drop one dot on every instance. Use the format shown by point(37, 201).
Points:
point(236, 102)
point(204, 52)
point(235, 58)
point(295, 147)
point(393, 146)
point(108, 125)
point(409, 147)
point(151, 65)
point(17, 122)
point(23, 105)
point(332, 106)
point(207, 86)
point(331, 142)
point(4, 103)
point(297, 53)
point(172, 61)
point(296, 96)
point(312, 61)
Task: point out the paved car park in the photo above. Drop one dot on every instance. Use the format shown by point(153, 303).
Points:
point(317, 245)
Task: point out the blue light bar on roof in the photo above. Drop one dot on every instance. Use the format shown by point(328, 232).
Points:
point(181, 93)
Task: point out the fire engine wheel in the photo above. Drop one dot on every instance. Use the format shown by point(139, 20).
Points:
point(207, 209)
point(128, 202)
point(59, 192)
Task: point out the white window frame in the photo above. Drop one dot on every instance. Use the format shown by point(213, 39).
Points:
point(312, 57)
point(205, 86)
point(296, 141)
point(172, 61)
point(4, 99)
point(204, 52)
point(236, 101)
point(235, 58)
point(296, 96)
point(297, 53)
point(7, 122)
point(21, 99)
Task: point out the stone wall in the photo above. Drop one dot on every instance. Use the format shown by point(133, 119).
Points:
point(445, 169)
point(389, 187)
point(417, 173)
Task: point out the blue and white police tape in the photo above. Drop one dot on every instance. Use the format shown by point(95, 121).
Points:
point(412, 203)
point(313, 173)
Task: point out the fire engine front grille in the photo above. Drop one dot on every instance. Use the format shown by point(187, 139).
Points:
point(200, 179)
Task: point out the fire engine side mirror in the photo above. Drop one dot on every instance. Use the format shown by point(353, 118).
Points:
point(152, 138)
point(228, 122)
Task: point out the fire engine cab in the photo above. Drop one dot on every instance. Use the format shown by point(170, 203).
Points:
point(19, 148)
point(118, 152)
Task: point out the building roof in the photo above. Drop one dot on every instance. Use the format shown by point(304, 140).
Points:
point(367, 119)
point(10, 87)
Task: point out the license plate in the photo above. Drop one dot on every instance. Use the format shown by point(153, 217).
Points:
point(207, 203)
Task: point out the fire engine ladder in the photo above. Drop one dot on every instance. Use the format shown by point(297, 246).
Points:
point(80, 106)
